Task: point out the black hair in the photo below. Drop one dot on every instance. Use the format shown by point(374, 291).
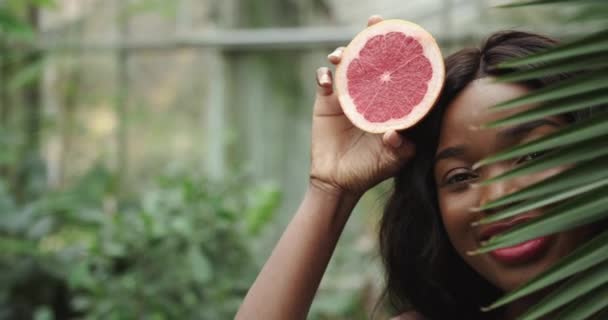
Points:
point(423, 271)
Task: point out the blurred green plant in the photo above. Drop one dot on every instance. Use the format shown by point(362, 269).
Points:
point(181, 251)
point(579, 196)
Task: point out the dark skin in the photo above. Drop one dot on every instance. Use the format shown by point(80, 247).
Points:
point(462, 144)
point(346, 162)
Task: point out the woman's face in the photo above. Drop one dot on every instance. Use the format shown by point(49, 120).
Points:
point(461, 144)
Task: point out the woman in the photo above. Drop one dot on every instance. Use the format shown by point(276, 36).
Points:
point(426, 227)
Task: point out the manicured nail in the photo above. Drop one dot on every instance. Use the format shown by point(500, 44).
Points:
point(335, 54)
point(323, 77)
point(324, 80)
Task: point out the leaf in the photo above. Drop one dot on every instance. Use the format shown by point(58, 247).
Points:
point(551, 108)
point(541, 202)
point(13, 26)
point(545, 2)
point(589, 304)
point(581, 210)
point(589, 254)
point(563, 89)
point(265, 202)
point(26, 75)
point(43, 313)
point(593, 62)
point(586, 129)
point(569, 291)
point(41, 227)
point(45, 3)
point(571, 154)
point(590, 13)
point(594, 43)
point(201, 268)
point(581, 174)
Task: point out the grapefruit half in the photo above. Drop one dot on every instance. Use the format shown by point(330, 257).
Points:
point(390, 76)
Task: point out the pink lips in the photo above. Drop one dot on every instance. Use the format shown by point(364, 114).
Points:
point(518, 253)
point(521, 252)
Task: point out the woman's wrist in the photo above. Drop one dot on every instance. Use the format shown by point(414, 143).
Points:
point(331, 190)
point(338, 201)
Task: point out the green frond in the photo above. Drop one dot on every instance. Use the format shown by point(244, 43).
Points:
point(544, 2)
point(552, 108)
point(586, 208)
point(567, 155)
point(594, 43)
point(575, 133)
point(597, 80)
point(581, 174)
point(541, 202)
point(586, 306)
point(593, 252)
point(572, 289)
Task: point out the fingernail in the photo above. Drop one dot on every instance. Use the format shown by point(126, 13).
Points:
point(324, 80)
point(334, 54)
point(324, 77)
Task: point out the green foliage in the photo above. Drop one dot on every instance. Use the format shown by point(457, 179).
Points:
point(179, 250)
point(13, 18)
point(579, 195)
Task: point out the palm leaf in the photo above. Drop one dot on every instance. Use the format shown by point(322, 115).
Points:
point(590, 254)
point(583, 63)
point(576, 85)
point(541, 2)
point(595, 43)
point(587, 129)
point(589, 207)
point(569, 291)
point(588, 305)
point(575, 197)
point(570, 154)
point(581, 174)
point(541, 202)
point(590, 13)
point(552, 108)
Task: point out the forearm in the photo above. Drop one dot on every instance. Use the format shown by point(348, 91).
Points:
point(285, 287)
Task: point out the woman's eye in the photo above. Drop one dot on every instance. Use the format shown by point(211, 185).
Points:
point(532, 156)
point(460, 177)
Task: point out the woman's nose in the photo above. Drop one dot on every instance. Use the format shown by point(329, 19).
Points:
point(495, 190)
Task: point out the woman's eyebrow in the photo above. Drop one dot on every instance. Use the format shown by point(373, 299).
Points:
point(524, 128)
point(450, 152)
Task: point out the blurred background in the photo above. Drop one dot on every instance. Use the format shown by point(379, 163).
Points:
point(152, 151)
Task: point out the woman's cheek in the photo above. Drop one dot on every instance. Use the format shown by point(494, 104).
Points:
point(457, 217)
point(530, 179)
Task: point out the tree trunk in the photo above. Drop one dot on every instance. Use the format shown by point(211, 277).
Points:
point(30, 164)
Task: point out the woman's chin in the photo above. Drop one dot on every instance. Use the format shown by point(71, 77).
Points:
point(512, 267)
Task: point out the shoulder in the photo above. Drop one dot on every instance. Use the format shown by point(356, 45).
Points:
point(410, 315)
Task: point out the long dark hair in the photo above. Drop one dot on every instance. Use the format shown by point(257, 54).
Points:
point(423, 271)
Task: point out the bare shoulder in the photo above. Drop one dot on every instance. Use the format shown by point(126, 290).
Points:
point(410, 315)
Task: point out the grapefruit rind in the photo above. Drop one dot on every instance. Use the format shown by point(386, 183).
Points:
point(435, 84)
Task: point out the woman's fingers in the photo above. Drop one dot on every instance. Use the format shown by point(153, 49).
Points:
point(374, 19)
point(392, 139)
point(326, 103)
point(398, 144)
point(336, 56)
point(324, 81)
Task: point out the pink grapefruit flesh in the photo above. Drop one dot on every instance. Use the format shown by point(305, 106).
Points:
point(390, 76)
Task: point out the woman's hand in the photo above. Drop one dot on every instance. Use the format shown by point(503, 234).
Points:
point(345, 158)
